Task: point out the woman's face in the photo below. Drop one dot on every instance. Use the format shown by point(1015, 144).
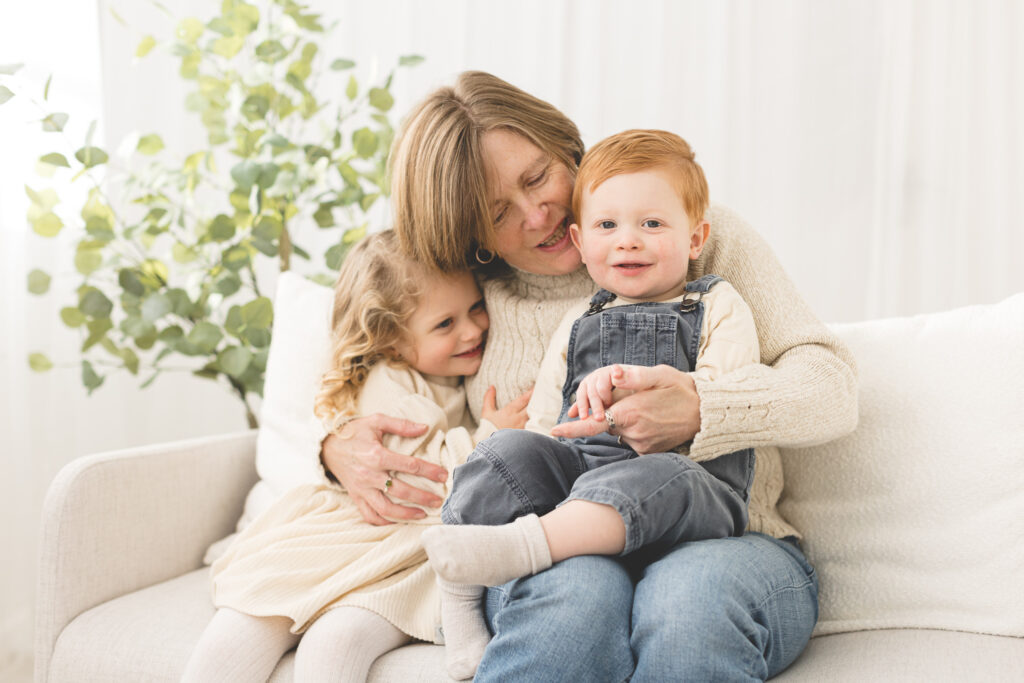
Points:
point(529, 193)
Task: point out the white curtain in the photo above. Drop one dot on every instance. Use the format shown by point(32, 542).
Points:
point(876, 144)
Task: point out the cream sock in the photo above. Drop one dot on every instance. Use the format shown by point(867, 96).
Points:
point(488, 555)
point(465, 632)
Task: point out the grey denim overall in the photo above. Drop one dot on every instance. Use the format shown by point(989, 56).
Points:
point(663, 498)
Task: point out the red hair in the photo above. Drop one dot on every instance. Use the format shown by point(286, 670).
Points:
point(632, 151)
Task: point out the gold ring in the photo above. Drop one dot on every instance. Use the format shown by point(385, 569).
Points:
point(610, 419)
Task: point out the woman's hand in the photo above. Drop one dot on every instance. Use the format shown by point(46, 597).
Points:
point(360, 463)
point(512, 415)
point(663, 411)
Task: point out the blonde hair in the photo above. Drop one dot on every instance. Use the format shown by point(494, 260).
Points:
point(632, 151)
point(438, 178)
point(376, 293)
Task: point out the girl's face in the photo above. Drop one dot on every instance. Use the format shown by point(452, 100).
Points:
point(448, 328)
point(529, 193)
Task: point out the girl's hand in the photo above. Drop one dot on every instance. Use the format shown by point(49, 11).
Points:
point(358, 460)
point(663, 412)
point(512, 415)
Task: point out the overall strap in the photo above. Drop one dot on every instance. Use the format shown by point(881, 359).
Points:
point(599, 301)
point(696, 289)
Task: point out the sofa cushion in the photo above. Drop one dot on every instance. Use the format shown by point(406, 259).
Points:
point(908, 655)
point(916, 520)
point(148, 635)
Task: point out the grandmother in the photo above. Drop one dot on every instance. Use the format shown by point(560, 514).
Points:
point(482, 176)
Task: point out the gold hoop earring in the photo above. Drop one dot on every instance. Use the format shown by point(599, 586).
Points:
point(484, 256)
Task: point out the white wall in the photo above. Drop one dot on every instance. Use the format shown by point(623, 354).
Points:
point(875, 143)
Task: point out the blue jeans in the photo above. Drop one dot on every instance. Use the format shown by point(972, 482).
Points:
point(662, 498)
point(730, 609)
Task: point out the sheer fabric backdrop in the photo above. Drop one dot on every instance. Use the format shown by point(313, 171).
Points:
point(876, 145)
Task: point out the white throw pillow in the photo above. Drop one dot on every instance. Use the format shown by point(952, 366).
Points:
point(288, 442)
point(916, 520)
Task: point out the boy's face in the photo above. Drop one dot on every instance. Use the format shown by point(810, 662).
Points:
point(635, 237)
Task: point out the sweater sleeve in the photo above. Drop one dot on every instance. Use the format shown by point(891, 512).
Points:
point(804, 390)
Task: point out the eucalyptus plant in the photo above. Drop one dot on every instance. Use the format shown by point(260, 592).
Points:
point(168, 247)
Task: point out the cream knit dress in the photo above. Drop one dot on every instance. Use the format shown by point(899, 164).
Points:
point(803, 392)
point(312, 551)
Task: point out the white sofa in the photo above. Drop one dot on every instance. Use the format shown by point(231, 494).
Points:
point(915, 523)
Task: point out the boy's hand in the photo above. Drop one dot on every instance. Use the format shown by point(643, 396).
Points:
point(512, 415)
point(597, 391)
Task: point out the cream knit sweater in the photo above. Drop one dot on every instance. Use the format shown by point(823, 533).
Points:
point(804, 391)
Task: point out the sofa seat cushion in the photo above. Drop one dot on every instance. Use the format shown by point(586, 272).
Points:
point(908, 655)
point(148, 635)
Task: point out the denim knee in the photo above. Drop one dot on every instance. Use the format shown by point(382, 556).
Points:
point(511, 474)
point(568, 623)
point(753, 596)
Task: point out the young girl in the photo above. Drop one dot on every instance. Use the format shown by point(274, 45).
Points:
point(310, 567)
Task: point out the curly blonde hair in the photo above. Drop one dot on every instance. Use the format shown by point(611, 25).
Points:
point(376, 293)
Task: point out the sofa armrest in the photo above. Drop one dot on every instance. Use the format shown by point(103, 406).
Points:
point(117, 522)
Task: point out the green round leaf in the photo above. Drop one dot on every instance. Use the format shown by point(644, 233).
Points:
point(270, 51)
point(87, 259)
point(205, 336)
point(234, 360)
point(47, 224)
point(156, 306)
point(256, 337)
point(245, 174)
point(258, 313)
point(91, 156)
point(145, 45)
point(38, 282)
point(5, 93)
point(130, 282)
point(95, 304)
point(71, 316)
point(236, 258)
point(90, 379)
point(150, 144)
point(352, 89)
point(222, 228)
point(255, 107)
point(55, 122)
point(228, 284)
point(365, 142)
point(182, 253)
point(409, 60)
point(39, 362)
point(268, 227)
point(131, 361)
point(381, 99)
point(153, 273)
point(189, 30)
point(342, 64)
point(55, 159)
point(268, 174)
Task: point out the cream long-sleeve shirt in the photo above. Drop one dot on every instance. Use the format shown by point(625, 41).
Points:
point(803, 391)
point(728, 340)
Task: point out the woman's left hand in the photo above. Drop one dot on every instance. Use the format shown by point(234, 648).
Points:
point(663, 411)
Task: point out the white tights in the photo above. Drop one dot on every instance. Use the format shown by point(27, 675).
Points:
point(340, 647)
